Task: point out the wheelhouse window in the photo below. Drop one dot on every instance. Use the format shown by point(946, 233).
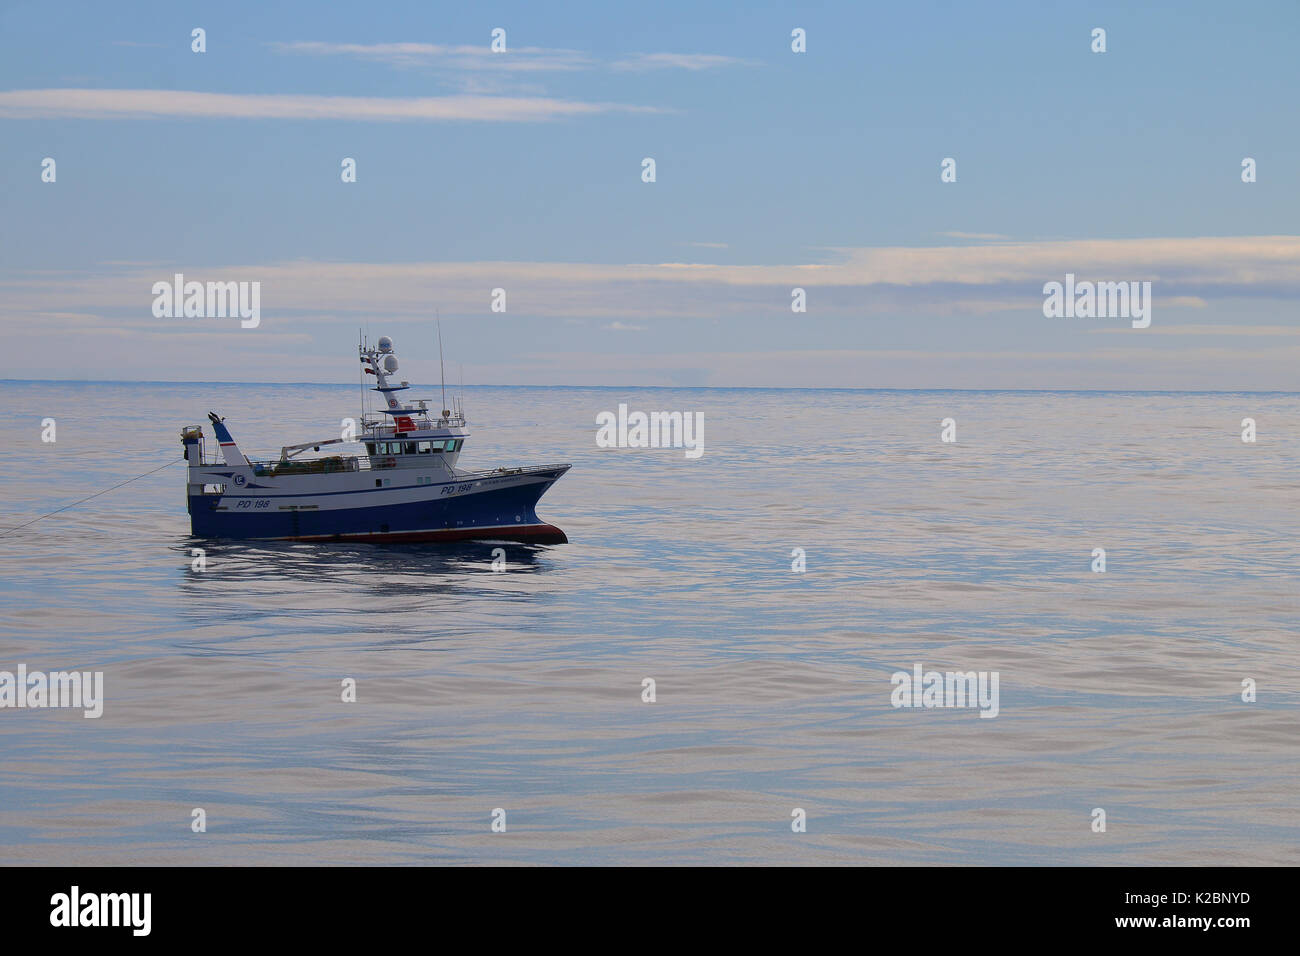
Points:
point(370, 448)
point(408, 448)
point(425, 447)
point(453, 444)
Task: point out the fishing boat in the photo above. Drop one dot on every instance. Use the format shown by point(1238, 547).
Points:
point(405, 487)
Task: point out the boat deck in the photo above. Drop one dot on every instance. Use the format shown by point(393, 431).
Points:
point(339, 463)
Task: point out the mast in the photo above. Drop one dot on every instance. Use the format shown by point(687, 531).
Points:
point(442, 369)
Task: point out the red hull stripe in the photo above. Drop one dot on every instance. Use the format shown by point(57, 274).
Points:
point(527, 533)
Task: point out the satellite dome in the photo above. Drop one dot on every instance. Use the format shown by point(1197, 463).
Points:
point(390, 363)
point(385, 344)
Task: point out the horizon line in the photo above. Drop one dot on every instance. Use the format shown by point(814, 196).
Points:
point(770, 388)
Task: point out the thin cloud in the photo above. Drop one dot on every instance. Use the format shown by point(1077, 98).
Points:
point(464, 57)
point(1221, 262)
point(1017, 367)
point(983, 236)
point(694, 62)
point(162, 104)
point(1252, 331)
point(468, 57)
point(930, 282)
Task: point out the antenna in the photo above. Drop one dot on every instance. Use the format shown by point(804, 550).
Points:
point(365, 397)
point(441, 367)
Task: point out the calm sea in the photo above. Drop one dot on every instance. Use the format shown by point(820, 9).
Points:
point(522, 690)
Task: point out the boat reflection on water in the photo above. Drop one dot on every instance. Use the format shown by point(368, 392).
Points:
point(354, 570)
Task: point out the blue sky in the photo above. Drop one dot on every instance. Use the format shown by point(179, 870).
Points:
point(521, 170)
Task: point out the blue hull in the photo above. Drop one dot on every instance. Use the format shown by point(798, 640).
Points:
point(506, 514)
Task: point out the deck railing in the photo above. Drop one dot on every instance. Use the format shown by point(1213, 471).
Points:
point(501, 472)
point(380, 427)
point(337, 464)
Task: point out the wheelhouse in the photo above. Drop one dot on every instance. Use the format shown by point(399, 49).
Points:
point(420, 446)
